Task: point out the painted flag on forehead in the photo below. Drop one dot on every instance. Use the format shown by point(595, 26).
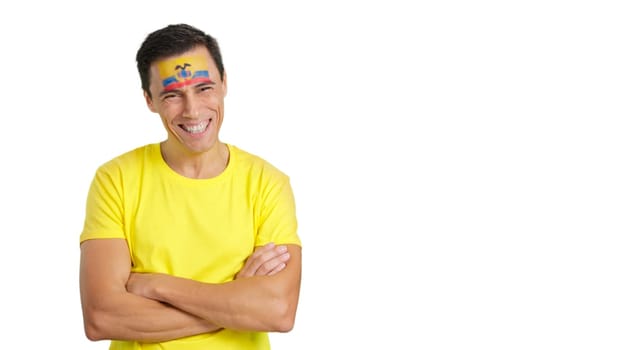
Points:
point(183, 71)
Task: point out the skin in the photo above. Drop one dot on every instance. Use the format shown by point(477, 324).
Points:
point(114, 308)
point(195, 155)
point(122, 305)
point(260, 303)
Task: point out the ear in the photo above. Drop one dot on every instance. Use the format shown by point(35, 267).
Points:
point(224, 84)
point(149, 101)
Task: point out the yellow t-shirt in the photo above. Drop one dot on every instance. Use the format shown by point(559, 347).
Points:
point(202, 229)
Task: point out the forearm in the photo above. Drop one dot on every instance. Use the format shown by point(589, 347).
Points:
point(125, 316)
point(111, 312)
point(257, 303)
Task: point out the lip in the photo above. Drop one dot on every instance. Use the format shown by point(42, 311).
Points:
point(195, 134)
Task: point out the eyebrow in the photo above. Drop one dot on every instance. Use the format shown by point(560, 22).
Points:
point(205, 83)
point(197, 85)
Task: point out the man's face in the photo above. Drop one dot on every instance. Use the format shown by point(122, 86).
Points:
point(188, 94)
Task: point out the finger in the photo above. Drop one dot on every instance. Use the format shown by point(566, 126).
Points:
point(254, 261)
point(250, 265)
point(271, 264)
point(259, 263)
point(277, 269)
point(262, 256)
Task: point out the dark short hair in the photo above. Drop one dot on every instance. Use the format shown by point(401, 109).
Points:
point(173, 40)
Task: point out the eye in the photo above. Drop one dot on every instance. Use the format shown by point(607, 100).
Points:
point(169, 96)
point(205, 88)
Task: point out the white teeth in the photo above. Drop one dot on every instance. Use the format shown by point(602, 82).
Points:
point(195, 129)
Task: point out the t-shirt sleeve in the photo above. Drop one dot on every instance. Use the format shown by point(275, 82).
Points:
point(104, 206)
point(278, 222)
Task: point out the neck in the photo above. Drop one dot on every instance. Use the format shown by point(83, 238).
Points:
point(201, 165)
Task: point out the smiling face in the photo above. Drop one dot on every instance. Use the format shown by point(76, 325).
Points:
point(188, 94)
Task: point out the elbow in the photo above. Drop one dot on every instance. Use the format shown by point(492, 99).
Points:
point(93, 327)
point(284, 326)
point(92, 332)
point(284, 318)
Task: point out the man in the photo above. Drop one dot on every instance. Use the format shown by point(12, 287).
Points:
point(190, 243)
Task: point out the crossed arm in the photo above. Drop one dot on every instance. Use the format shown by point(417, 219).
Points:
point(118, 304)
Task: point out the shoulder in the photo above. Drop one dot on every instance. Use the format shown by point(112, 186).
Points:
point(129, 157)
point(256, 165)
point(127, 162)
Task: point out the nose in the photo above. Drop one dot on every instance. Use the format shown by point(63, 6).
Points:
point(191, 107)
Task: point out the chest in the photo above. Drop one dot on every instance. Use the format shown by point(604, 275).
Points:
point(204, 233)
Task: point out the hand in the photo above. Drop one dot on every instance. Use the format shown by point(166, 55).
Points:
point(266, 260)
point(141, 284)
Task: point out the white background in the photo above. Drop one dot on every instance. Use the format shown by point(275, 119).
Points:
point(456, 164)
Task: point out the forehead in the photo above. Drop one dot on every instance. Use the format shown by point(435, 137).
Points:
point(193, 64)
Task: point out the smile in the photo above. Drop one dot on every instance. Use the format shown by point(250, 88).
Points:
point(196, 128)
